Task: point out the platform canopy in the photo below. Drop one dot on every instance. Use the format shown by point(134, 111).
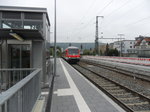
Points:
point(25, 34)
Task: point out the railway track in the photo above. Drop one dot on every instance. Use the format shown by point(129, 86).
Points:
point(129, 73)
point(139, 84)
point(127, 98)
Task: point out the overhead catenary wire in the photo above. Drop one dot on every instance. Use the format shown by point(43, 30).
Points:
point(123, 14)
point(134, 22)
point(138, 21)
point(86, 12)
point(114, 11)
point(91, 21)
point(93, 18)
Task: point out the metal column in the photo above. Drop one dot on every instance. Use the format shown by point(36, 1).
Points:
point(97, 36)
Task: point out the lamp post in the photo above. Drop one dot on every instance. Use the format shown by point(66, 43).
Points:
point(55, 38)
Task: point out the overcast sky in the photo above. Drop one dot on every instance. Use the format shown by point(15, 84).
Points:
point(76, 18)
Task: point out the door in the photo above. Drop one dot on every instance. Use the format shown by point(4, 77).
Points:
point(19, 56)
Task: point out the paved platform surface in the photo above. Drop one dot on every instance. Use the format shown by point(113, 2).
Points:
point(136, 68)
point(128, 60)
point(73, 93)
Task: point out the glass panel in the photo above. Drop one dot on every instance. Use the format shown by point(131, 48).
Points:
point(25, 56)
point(20, 56)
point(11, 24)
point(11, 15)
point(15, 56)
point(33, 16)
point(33, 25)
point(73, 51)
point(0, 55)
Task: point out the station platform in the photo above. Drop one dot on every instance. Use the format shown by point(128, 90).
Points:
point(128, 60)
point(74, 93)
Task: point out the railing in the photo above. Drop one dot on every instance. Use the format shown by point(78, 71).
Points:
point(9, 77)
point(22, 96)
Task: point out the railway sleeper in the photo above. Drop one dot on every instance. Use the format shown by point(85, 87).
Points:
point(112, 88)
point(132, 98)
point(121, 94)
point(141, 108)
point(110, 85)
point(143, 111)
point(105, 84)
point(138, 104)
point(116, 91)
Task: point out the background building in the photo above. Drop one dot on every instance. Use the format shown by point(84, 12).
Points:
point(126, 47)
point(143, 46)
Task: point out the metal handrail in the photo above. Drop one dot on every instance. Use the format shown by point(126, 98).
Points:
point(16, 69)
point(6, 96)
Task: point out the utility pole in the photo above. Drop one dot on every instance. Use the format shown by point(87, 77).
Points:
point(120, 43)
point(97, 36)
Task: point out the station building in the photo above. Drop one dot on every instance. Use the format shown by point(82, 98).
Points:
point(24, 33)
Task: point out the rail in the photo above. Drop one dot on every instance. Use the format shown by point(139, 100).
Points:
point(22, 96)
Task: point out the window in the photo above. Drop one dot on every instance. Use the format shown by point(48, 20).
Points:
point(130, 46)
point(73, 51)
point(33, 25)
point(19, 56)
point(33, 16)
point(11, 24)
point(11, 15)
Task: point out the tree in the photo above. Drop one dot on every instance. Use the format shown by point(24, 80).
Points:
point(107, 50)
point(86, 52)
point(116, 52)
point(81, 47)
point(113, 52)
point(58, 51)
point(69, 44)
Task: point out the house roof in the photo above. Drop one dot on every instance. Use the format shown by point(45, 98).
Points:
point(138, 42)
point(147, 39)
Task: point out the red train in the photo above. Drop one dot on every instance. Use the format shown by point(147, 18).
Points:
point(72, 54)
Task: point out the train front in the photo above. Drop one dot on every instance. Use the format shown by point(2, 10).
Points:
point(73, 54)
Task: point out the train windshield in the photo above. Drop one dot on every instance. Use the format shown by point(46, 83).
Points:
point(73, 51)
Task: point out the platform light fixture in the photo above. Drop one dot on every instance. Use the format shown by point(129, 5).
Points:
point(16, 36)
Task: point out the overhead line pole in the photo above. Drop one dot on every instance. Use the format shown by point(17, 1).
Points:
point(120, 43)
point(96, 36)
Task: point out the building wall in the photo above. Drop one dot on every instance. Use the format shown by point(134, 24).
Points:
point(4, 55)
point(38, 57)
point(0, 56)
point(143, 48)
point(126, 45)
point(102, 49)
